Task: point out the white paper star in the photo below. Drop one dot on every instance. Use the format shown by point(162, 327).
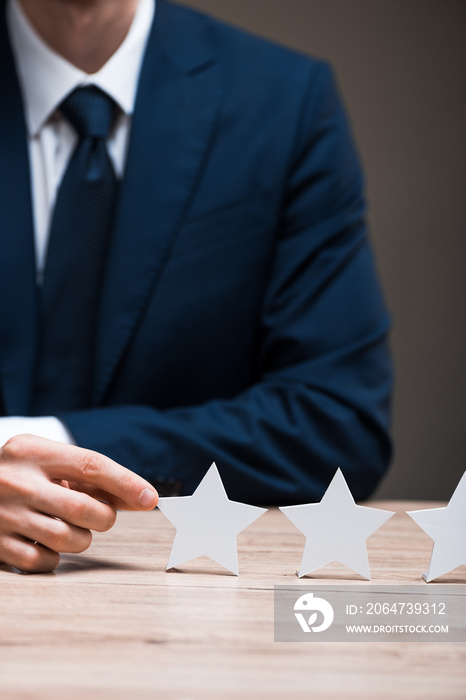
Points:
point(207, 523)
point(447, 527)
point(336, 529)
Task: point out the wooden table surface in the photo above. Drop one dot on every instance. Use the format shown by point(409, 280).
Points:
point(112, 623)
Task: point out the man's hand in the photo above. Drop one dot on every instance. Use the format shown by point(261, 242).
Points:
point(51, 498)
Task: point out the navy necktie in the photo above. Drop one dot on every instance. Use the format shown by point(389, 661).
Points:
point(79, 236)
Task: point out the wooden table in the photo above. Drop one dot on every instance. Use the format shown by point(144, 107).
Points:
point(112, 623)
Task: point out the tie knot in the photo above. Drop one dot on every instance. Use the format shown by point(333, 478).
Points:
point(90, 110)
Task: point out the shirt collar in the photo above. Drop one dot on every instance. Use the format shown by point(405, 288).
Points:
point(46, 78)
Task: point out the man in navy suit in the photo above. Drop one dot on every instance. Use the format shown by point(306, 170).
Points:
point(240, 317)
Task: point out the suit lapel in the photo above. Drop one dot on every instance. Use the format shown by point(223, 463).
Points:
point(178, 98)
point(18, 296)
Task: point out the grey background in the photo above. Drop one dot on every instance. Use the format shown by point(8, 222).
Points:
point(401, 66)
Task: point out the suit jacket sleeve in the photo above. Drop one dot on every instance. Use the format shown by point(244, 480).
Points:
point(322, 395)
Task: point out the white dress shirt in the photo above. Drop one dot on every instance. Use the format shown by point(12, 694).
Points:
point(46, 78)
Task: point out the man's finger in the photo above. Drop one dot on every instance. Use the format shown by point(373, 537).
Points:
point(73, 507)
point(60, 461)
point(26, 556)
point(100, 495)
point(56, 535)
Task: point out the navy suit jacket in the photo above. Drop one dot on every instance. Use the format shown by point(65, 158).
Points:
point(241, 319)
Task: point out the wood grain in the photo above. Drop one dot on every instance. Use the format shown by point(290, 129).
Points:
point(112, 623)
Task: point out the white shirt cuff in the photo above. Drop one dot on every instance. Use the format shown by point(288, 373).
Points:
point(44, 426)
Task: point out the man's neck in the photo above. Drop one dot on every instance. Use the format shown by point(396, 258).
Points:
point(85, 32)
